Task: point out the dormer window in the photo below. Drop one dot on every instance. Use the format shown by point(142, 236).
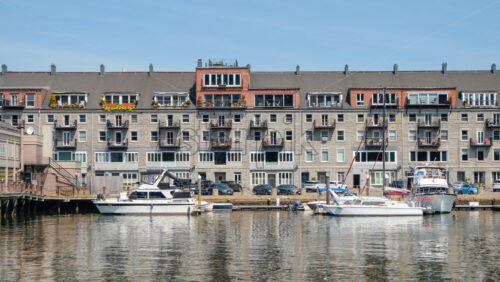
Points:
point(171, 100)
point(423, 98)
point(222, 79)
point(378, 99)
point(274, 100)
point(120, 98)
point(72, 100)
point(321, 100)
point(479, 99)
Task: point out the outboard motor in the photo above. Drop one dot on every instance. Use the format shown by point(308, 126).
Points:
point(295, 206)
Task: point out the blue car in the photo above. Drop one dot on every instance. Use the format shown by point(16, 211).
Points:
point(468, 189)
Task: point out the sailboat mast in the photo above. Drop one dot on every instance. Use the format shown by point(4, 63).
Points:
point(383, 145)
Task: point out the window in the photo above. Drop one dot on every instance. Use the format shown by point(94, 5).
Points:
point(496, 154)
point(360, 99)
point(392, 135)
point(412, 117)
point(205, 118)
point(392, 117)
point(361, 118)
point(154, 136)
point(324, 155)
point(324, 135)
point(258, 178)
point(465, 154)
point(480, 117)
point(81, 157)
point(185, 136)
point(222, 100)
point(340, 117)
point(479, 177)
point(133, 118)
point(83, 118)
point(324, 99)
point(465, 135)
point(185, 118)
point(237, 177)
point(309, 155)
point(131, 157)
point(496, 134)
point(133, 136)
point(479, 99)
point(288, 118)
point(480, 155)
point(288, 135)
point(444, 117)
point(372, 156)
point(274, 100)
point(340, 177)
point(73, 100)
point(309, 135)
point(102, 136)
point(153, 157)
point(120, 98)
point(30, 119)
point(30, 100)
point(257, 157)
point(444, 135)
point(464, 117)
point(1, 99)
point(428, 98)
point(154, 118)
point(340, 135)
point(378, 99)
point(461, 176)
point(50, 118)
point(286, 157)
point(272, 118)
point(226, 79)
point(360, 134)
point(206, 157)
point(14, 120)
point(237, 118)
point(206, 136)
point(285, 178)
point(170, 100)
point(237, 135)
point(234, 156)
point(257, 136)
point(309, 118)
point(340, 155)
point(102, 118)
point(182, 157)
point(101, 157)
point(82, 136)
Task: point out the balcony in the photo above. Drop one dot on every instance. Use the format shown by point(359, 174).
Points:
point(374, 142)
point(117, 125)
point(492, 124)
point(221, 124)
point(238, 105)
point(439, 103)
point(324, 124)
point(484, 143)
point(258, 125)
point(429, 142)
point(169, 124)
point(68, 145)
point(224, 143)
point(113, 145)
point(268, 142)
point(13, 105)
point(435, 124)
point(169, 143)
point(371, 124)
point(70, 126)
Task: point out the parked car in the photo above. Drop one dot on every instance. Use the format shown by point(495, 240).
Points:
point(496, 187)
point(288, 189)
point(233, 185)
point(223, 189)
point(313, 186)
point(263, 189)
point(468, 189)
point(206, 183)
point(456, 186)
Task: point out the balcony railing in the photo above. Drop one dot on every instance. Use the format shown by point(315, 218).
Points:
point(8, 104)
point(117, 145)
point(221, 124)
point(324, 124)
point(60, 126)
point(273, 142)
point(371, 124)
point(440, 104)
point(429, 142)
point(61, 145)
point(436, 123)
point(169, 124)
point(374, 142)
point(169, 142)
point(121, 125)
point(222, 143)
point(241, 104)
point(492, 123)
point(258, 125)
point(480, 143)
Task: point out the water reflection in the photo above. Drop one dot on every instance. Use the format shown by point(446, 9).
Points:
point(250, 246)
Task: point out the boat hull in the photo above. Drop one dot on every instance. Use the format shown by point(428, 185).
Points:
point(353, 210)
point(146, 208)
point(439, 203)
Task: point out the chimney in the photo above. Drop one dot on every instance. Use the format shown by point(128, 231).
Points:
point(248, 66)
point(150, 72)
point(493, 68)
point(236, 63)
point(346, 69)
point(297, 70)
point(101, 71)
point(395, 69)
point(52, 69)
point(443, 68)
point(4, 69)
point(200, 63)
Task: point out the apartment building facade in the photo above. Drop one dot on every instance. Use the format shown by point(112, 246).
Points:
point(225, 122)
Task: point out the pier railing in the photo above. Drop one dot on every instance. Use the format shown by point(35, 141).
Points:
point(21, 187)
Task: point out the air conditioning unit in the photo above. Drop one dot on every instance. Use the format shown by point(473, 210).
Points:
point(324, 138)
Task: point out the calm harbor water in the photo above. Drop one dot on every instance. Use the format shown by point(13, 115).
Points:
point(252, 246)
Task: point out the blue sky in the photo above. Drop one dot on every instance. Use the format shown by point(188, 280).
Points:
point(269, 35)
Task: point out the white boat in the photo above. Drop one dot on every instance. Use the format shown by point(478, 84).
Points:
point(343, 196)
point(149, 199)
point(430, 189)
point(372, 207)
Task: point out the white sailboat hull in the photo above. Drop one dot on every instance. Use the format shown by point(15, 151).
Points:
point(439, 203)
point(365, 210)
point(166, 208)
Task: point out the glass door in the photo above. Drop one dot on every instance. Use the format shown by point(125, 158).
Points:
point(14, 99)
point(118, 137)
point(66, 138)
point(480, 137)
point(428, 119)
point(170, 137)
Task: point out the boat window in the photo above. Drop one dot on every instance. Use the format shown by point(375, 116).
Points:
point(156, 195)
point(141, 195)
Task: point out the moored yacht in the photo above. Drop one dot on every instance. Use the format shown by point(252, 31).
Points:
point(430, 189)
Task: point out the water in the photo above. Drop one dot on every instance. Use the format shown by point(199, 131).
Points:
point(251, 246)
